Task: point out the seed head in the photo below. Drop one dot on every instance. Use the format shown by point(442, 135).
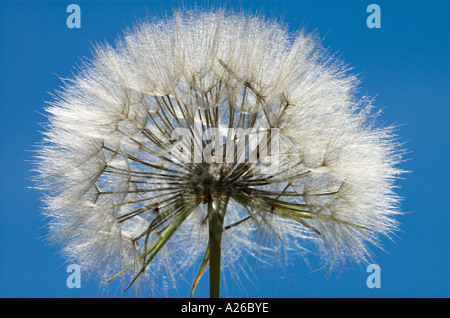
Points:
point(213, 136)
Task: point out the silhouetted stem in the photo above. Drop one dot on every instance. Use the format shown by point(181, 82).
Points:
point(216, 213)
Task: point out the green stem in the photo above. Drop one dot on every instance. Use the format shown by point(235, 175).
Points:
point(216, 212)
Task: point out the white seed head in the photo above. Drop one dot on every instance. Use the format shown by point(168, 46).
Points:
point(118, 187)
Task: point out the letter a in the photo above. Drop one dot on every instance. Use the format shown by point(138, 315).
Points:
point(74, 20)
point(374, 279)
point(73, 280)
point(374, 20)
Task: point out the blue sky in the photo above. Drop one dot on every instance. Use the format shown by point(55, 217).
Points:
point(404, 64)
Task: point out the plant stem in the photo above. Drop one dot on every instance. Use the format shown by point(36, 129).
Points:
point(216, 212)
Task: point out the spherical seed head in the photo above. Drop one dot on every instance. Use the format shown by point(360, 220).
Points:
point(210, 106)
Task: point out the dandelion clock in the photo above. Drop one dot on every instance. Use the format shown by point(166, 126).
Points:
point(208, 138)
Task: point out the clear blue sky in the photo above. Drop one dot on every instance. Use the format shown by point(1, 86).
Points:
point(405, 64)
